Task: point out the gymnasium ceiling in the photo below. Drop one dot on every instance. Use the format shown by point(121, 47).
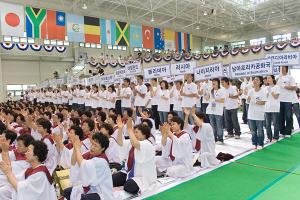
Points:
point(226, 20)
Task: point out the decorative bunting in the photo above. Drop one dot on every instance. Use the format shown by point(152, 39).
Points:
point(281, 45)
point(215, 55)
point(188, 57)
point(103, 63)
point(197, 57)
point(256, 49)
point(148, 57)
point(60, 49)
point(36, 47)
point(167, 57)
point(245, 51)
point(93, 63)
point(234, 52)
point(48, 48)
point(7, 45)
point(205, 56)
point(268, 47)
point(157, 57)
point(22, 47)
point(224, 53)
point(178, 57)
point(295, 43)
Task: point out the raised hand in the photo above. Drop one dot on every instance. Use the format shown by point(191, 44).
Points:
point(120, 123)
point(5, 168)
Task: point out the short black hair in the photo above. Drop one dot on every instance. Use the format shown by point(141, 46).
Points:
point(101, 139)
point(146, 131)
point(75, 120)
point(218, 81)
point(90, 123)
point(78, 131)
point(88, 114)
point(148, 122)
point(48, 114)
point(200, 115)
point(112, 110)
point(166, 84)
point(46, 124)
point(127, 80)
point(261, 79)
point(10, 135)
point(2, 127)
point(102, 116)
point(26, 138)
point(60, 117)
point(225, 79)
point(22, 118)
point(113, 117)
point(140, 76)
point(179, 121)
point(108, 127)
point(40, 150)
point(173, 113)
point(129, 112)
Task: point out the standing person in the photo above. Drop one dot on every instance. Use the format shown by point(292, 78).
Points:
point(287, 89)
point(140, 93)
point(189, 93)
point(178, 99)
point(36, 183)
point(148, 96)
point(256, 112)
point(80, 95)
point(154, 101)
point(87, 98)
point(215, 110)
point(243, 99)
point(204, 92)
point(171, 87)
point(231, 108)
point(164, 101)
point(125, 94)
point(272, 108)
point(118, 106)
point(111, 97)
point(102, 97)
point(94, 96)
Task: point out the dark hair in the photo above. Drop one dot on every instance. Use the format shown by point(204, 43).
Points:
point(60, 117)
point(101, 139)
point(27, 139)
point(173, 113)
point(148, 85)
point(113, 117)
point(148, 122)
point(200, 115)
point(261, 79)
point(286, 67)
point(146, 131)
point(88, 114)
point(46, 124)
point(78, 131)
point(140, 77)
point(22, 118)
point(154, 79)
point(166, 84)
point(148, 111)
point(108, 127)
point(179, 121)
point(218, 81)
point(112, 88)
point(112, 110)
point(273, 78)
point(90, 123)
point(48, 114)
point(225, 79)
point(75, 120)
point(103, 86)
point(10, 135)
point(129, 112)
point(180, 82)
point(102, 116)
point(127, 80)
point(40, 150)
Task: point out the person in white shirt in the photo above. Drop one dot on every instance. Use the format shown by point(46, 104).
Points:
point(36, 183)
point(189, 93)
point(178, 99)
point(94, 96)
point(171, 87)
point(111, 97)
point(272, 108)
point(256, 112)
point(125, 94)
point(140, 172)
point(102, 97)
point(64, 95)
point(148, 97)
point(164, 101)
point(215, 109)
point(204, 92)
point(154, 101)
point(287, 91)
point(140, 93)
point(231, 108)
point(80, 96)
point(87, 98)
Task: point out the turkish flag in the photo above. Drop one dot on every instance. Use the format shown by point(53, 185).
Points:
point(148, 39)
point(12, 19)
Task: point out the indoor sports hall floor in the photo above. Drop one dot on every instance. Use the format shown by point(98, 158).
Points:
point(273, 173)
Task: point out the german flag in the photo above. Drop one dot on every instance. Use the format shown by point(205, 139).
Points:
point(122, 33)
point(92, 30)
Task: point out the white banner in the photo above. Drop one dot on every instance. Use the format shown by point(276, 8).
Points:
point(174, 78)
point(158, 71)
point(90, 80)
point(205, 72)
point(183, 68)
point(285, 58)
point(259, 67)
point(120, 73)
point(107, 79)
point(133, 68)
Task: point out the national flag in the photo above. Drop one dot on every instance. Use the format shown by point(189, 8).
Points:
point(169, 39)
point(75, 28)
point(183, 41)
point(122, 33)
point(36, 25)
point(158, 39)
point(108, 31)
point(91, 29)
point(136, 36)
point(12, 19)
point(148, 39)
point(56, 25)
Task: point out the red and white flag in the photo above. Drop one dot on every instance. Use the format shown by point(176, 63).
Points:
point(12, 19)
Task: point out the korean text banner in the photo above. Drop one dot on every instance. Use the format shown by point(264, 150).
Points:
point(133, 68)
point(286, 58)
point(158, 71)
point(183, 68)
point(214, 70)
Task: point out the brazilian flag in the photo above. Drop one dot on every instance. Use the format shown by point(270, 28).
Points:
point(122, 33)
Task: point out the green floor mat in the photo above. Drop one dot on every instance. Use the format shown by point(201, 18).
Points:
point(239, 181)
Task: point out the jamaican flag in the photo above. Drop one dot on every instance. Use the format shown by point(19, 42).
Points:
point(122, 33)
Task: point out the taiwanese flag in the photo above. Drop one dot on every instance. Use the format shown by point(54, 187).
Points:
point(148, 39)
point(56, 25)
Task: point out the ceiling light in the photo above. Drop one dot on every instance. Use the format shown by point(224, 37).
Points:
point(223, 26)
point(273, 12)
point(205, 13)
point(242, 22)
point(152, 19)
point(283, 19)
point(84, 7)
point(197, 27)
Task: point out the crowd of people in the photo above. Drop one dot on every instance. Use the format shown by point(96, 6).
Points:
point(108, 135)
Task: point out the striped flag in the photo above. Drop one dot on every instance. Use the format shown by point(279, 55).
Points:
point(108, 31)
point(91, 29)
point(169, 39)
point(183, 41)
point(75, 27)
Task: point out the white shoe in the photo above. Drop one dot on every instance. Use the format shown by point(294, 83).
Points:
point(259, 147)
point(219, 143)
point(288, 136)
point(254, 147)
